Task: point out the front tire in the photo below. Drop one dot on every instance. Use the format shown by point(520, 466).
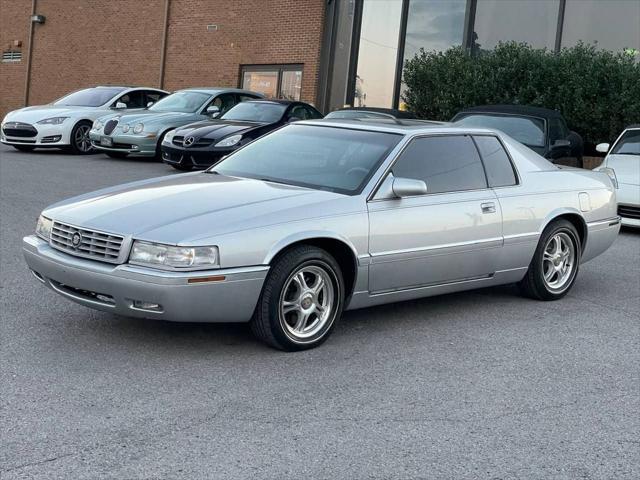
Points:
point(554, 267)
point(301, 301)
point(80, 141)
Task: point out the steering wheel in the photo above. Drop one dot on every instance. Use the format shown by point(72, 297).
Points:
point(353, 170)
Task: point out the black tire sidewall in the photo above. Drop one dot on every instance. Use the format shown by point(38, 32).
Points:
point(72, 142)
point(277, 279)
point(560, 226)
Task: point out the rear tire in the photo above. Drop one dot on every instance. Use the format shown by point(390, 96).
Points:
point(24, 148)
point(301, 300)
point(117, 154)
point(80, 143)
point(555, 264)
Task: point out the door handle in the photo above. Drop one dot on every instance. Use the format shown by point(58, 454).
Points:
point(488, 207)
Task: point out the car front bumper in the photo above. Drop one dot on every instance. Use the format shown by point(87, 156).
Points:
point(195, 157)
point(143, 145)
point(42, 136)
point(225, 295)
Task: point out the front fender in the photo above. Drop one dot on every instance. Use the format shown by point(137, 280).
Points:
point(306, 235)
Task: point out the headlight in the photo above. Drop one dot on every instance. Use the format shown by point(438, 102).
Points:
point(190, 258)
point(229, 141)
point(125, 128)
point(138, 128)
point(168, 137)
point(97, 125)
point(612, 175)
point(52, 121)
point(43, 227)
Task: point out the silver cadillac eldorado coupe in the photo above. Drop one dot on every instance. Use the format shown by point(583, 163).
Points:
point(324, 216)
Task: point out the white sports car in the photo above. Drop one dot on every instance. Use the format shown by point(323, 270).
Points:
point(66, 122)
point(622, 164)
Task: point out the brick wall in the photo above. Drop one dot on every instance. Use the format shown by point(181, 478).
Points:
point(89, 42)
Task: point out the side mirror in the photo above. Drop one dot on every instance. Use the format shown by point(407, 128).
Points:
point(293, 119)
point(408, 187)
point(562, 143)
point(149, 104)
point(120, 106)
point(602, 147)
point(213, 111)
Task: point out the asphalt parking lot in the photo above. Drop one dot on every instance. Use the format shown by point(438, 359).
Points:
point(483, 384)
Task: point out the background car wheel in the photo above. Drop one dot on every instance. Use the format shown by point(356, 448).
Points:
point(24, 148)
point(158, 155)
point(80, 141)
point(301, 300)
point(117, 154)
point(555, 263)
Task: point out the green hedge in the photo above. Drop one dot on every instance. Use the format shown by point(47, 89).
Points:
point(598, 92)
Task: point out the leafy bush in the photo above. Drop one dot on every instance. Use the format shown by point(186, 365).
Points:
point(598, 92)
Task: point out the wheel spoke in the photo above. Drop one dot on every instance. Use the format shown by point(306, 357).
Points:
point(302, 322)
point(288, 307)
point(302, 283)
point(318, 285)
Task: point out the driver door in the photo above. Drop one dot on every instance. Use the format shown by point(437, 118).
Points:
point(451, 234)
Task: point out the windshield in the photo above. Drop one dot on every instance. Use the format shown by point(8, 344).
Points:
point(185, 101)
point(335, 159)
point(527, 130)
point(629, 144)
point(256, 112)
point(357, 114)
point(89, 97)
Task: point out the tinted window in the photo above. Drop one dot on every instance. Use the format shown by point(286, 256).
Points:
point(629, 144)
point(303, 113)
point(446, 164)
point(527, 130)
point(184, 101)
point(503, 21)
point(153, 96)
point(557, 130)
point(133, 99)
point(224, 102)
point(90, 97)
point(496, 162)
point(256, 112)
point(335, 159)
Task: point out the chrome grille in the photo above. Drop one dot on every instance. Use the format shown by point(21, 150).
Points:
point(100, 246)
point(110, 126)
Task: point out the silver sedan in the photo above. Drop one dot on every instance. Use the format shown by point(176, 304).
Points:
point(324, 216)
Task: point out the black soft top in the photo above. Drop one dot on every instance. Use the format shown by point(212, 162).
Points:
point(525, 110)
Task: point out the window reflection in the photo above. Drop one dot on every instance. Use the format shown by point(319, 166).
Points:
point(527, 21)
point(612, 25)
point(377, 53)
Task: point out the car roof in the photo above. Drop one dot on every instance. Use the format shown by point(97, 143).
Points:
point(398, 126)
point(388, 111)
point(217, 90)
point(513, 110)
point(633, 126)
point(274, 101)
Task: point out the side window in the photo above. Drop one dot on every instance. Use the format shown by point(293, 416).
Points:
point(244, 98)
point(224, 102)
point(499, 169)
point(446, 164)
point(303, 112)
point(133, 99)
point(557, 129)
point(152, 96)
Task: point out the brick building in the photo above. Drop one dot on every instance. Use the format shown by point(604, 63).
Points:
point(328, 52)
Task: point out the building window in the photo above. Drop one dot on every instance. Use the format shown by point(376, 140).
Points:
point(273, 81)
point(11, 56)
point(526, 21)
point(377, 53)
point(612, 25)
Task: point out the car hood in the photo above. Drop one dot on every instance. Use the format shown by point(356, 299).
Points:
point(40, 112)
point(218, 129)
point(149, 117)
point(180, 209)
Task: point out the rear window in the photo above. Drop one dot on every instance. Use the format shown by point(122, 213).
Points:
point(499, 169)
point(629, 143)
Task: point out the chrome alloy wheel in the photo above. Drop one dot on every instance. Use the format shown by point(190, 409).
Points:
point(82, 140)
point(307, 301)
point(558, 261)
